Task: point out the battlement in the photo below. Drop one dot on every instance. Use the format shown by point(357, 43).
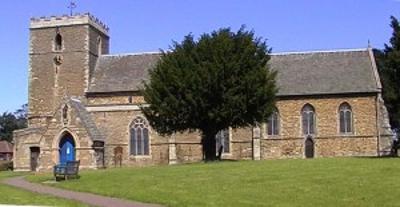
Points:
point(67, 20)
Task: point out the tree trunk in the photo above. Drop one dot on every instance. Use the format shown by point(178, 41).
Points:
point(209, 147)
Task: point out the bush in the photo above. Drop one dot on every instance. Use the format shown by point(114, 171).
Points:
point(6, 165)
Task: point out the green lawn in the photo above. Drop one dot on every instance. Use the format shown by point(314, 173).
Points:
point(11, 195)
point(315, 182)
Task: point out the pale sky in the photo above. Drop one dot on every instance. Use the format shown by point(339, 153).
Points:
point(150, 25)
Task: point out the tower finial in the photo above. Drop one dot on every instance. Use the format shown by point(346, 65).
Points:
point(72, 6)
point(369, 44)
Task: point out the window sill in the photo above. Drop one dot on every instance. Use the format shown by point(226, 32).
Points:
point(347, 134)
point(272, 136)
point(139, 156)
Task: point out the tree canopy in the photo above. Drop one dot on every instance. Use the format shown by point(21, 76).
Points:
point(388, 61)
point(12, 121)
point(220, 80)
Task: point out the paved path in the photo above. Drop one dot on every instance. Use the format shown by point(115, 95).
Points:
point(87, 198)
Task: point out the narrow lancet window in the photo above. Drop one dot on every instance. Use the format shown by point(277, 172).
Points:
point(273, 123)
point(99, 46)
point(345, 119)
point(308, 120)
point(58, 43)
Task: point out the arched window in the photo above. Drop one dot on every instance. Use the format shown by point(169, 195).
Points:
point(273, 123)
point(58, 42)
point(345, 119)
point(139, 137)
point(222, 139)
point(308, 119)
point(99, 46)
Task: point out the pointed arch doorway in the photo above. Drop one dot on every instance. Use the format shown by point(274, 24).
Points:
point(66, 148)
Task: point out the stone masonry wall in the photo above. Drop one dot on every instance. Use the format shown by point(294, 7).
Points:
point(46, 82)
point(115, 126)
point(49, 80)
point(24, 139)
point(328, 141)
point(289, 144)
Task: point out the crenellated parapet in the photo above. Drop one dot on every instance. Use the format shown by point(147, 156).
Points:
point(67, 20)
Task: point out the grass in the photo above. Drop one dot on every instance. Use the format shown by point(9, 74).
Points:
point(12, 195)
point(317, 182)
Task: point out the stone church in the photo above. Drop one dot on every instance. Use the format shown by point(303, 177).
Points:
point(84, 104)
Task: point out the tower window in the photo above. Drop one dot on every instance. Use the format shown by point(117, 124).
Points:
point(99, 46)
point(58, 42)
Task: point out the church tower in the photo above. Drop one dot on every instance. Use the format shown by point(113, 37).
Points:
point(62, 56)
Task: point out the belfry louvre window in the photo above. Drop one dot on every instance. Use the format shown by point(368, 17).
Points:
point(58, 42)
point(308, 119)
point(273, 123)
point(139, 137)
point(345, 119)
point(222, 139)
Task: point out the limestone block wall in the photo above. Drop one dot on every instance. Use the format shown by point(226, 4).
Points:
point(282, 148)
point(49, 142)
point(328, 140)
point(56, 74)
point(115, 123)
point(241, 144)
point(116, 99)
point(47, 82)
point(115, 126)
point(23, 140)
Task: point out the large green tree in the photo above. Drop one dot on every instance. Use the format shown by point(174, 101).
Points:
point(388, 61)
point(220, 80)
point(12, 121)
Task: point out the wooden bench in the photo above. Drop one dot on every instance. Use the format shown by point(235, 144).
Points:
point(67, 170)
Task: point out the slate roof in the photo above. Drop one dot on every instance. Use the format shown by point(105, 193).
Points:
point(300, 73)
point(86, 120)
point(329, 72)
point(6, 147)
point(121, 72)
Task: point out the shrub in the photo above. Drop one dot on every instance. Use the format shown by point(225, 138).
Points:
point(6, 165)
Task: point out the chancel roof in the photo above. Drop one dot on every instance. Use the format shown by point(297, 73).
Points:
point(300, 73)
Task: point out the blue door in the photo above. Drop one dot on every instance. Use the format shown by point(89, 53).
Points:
point(67, 149)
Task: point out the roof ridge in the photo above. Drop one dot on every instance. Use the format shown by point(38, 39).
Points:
point(321, 51)
point(273, 53)
point(133, 54)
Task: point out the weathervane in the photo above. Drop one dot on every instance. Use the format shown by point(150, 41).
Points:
point(71, 7)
